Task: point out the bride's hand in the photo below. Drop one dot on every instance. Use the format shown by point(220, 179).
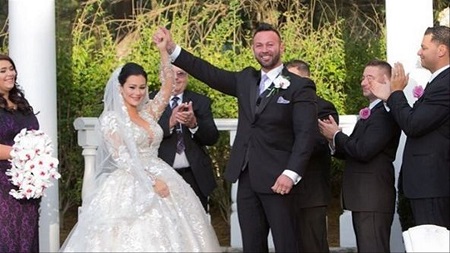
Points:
point(161, 188)
point(160, 39)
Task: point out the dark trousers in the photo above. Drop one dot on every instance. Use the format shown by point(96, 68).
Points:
point(188, 176)
point(373, 231)
point(312, 229)
point(259, 212)
point(434, 211)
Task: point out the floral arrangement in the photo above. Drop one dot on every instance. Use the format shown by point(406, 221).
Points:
point(364, 113)
point(32, 166)
point(417, 91)
point(281, 82)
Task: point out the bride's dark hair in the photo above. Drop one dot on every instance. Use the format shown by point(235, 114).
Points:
point(131, 69)
point(15, 94)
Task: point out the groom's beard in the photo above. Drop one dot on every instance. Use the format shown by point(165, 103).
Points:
point(272, 63)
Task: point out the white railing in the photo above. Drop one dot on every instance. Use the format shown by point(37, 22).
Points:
point(88, 141)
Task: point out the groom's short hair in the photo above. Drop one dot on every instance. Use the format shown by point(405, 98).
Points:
point(264, 27)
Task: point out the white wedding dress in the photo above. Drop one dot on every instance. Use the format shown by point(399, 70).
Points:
point(122, 216)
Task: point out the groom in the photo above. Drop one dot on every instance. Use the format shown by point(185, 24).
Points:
point(274, 136)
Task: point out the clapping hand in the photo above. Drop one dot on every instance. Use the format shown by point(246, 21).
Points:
point(187, 116)
point(397, 81)
point(328, 127)
point(183, 114)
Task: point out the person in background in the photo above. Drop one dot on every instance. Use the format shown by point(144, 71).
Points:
point(189, 158)
point(314, 189)
point(425, 173)
point(277, 113)
point(19, 219)
point(368, 187)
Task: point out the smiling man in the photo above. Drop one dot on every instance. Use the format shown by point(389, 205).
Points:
point(425, 172)
point(273, 143)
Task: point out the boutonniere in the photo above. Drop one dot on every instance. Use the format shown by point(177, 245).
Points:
point(364, 113)
point(281, 82)
point(417, 91)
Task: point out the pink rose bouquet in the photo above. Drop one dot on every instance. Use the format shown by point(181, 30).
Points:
point(364, 113)
point(32, 166)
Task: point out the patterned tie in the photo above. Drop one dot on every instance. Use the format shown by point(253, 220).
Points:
point(180, 141)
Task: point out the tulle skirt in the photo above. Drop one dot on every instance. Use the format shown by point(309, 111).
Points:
point(122, 216)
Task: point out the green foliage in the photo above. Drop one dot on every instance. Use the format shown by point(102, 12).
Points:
point(304, 42)
point(359, 52)
point(221, 195)
point(92, 43)
point(213, 31)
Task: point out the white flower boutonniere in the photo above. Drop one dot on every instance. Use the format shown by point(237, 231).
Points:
point(281, 82)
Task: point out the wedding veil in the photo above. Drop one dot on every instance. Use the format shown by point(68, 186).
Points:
point(117, 147)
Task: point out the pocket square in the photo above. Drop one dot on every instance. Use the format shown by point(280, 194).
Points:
point(281, 100)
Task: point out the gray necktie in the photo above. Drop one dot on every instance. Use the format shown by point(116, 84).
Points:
point(262, 85)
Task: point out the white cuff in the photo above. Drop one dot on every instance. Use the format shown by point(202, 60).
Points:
point(386, 107)
point(332, 145)
point(193, 130)
point(292, 175)
point(176, 52)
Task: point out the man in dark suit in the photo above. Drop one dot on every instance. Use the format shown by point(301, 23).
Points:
point(425, 173)
point(272, 148)
point(192, 162)
point(368, 182)
point(314, 189)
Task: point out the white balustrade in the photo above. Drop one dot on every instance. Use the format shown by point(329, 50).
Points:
point(88, 140)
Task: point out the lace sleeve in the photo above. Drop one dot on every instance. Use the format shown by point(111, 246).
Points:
point(157, 106)
point(122, 151)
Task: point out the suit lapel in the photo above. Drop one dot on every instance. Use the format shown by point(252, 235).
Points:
point(253, 82)
point(186, 97)
point(441, 75)
point(362, 122)
point(264, 100)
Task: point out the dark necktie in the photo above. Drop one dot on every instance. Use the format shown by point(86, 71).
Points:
point(180, 142)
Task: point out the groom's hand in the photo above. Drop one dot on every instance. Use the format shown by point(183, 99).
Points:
point(170, 46)
point(283, 185)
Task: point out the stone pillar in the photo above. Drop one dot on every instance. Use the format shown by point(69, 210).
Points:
point(32, 47)
point(406, 23)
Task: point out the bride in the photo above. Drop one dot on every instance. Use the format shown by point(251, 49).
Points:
point(139, 203)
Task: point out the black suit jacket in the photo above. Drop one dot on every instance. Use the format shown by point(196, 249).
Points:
point(271, 137)
point(368, 180)
point(314, 188)
point(426, 157)
point(196, 152)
